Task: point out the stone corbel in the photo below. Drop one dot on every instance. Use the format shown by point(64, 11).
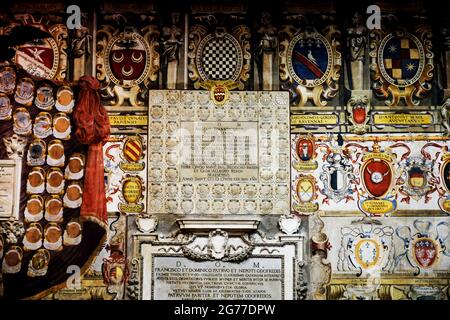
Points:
point(289, 224)
point(146, 224)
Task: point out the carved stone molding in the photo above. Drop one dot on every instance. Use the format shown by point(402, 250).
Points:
point(204, 226)
point(208, 244)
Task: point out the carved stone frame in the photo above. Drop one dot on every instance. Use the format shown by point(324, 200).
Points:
point(16, 188)
point(145, 247)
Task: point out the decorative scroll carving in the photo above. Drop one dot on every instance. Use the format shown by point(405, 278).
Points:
point(206, 49)
point(408, 76)
point(45, 58)
point(310, 63)
point(127, 62)
point(13, 230)
point(218, 247)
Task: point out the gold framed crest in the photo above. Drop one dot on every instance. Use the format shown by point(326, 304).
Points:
point(304, 194)
point(401, 65)
point(206, 50)
point(45, 58)
point(310, 64)
point(127, 63)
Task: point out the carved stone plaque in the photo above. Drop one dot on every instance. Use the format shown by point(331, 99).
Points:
point(9, 189)
point(255, 278)
point(173, 270)
point(227, 158)
point(232, 159)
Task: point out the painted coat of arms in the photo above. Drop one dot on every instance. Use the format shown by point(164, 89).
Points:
point(44, 58)
point(127, 61)
point(424, 245)
point(402, 65)
point(366, 246)
point(310, 64)
point(304, 193)
point(377, 181)
point(219, 58)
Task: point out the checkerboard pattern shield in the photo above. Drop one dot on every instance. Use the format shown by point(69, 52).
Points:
point(401, 58)
point(219, 59)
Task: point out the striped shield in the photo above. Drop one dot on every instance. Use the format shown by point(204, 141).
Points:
point(132, 150)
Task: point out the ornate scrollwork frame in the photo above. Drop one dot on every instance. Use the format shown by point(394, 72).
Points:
point(318, 90)
point(134, 90)
point(58, 41)
point(412, 91)
point(199, 37)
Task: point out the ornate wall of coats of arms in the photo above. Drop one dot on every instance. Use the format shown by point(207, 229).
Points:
point(351, 164)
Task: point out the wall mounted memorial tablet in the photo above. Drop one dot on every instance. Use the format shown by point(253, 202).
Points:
point(55, 181)
point(36, 153)
point(12, 260)
point(32, 239)
point(24, 92)
point(54, 209)
point(53, 237)
point(72, 233)
point(36, 180)
point(44, 97)
point(22, 122)
point(75, 167)
point(74, 195)
point(7, 80)
point(34, 211)
point(55, 153)
point(5, 107)
point(64, 99)
point(38, 265)
point(61, 126)
point(42, 125)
